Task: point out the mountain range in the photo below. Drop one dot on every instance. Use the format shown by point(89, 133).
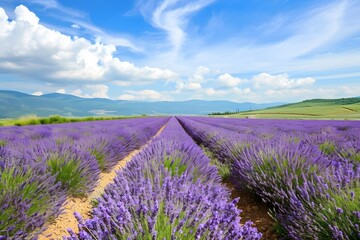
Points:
point(16, 104)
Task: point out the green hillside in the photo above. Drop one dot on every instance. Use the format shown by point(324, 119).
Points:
point(344, 108)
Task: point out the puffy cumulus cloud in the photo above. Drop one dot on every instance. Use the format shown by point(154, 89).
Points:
point(245, 91)
point(200, 74)
point(30, 48)
point(61, 90)
point(212, 92)
point(192, 86)
point(280, 81)
point(194, 82)
point(92, 91)
point(149, 95)
point(230, 81)
point(37, 93)
point(99, 90)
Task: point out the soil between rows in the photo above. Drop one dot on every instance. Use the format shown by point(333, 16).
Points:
point(255, 210)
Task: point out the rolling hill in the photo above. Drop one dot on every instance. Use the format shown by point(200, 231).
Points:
point(15, 104)
point(344, 108)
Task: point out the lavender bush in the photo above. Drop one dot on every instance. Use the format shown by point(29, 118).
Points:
point(168, 191)
point(28, 198)
point(307, 172)
point(41, 165)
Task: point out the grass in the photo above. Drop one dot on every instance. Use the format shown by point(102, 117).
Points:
point(224, 169)
point(310, 109)
point(35, 120)
point(174, 165)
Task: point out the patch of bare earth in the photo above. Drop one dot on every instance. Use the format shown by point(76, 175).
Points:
point(255, 210)
point(57, 228)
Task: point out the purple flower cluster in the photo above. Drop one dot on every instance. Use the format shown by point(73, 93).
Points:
point(168, 191)
point(41, 165)
point(308, 171)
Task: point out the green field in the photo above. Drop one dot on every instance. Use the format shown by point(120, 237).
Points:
point(34, 120)
point(348, 108)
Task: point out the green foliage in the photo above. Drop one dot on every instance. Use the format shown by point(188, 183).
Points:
point(3, 143)
point(34, 120)
point(327, 147)
point(224, 169)
point(92, 118)
point(68, 173)
point(224, 113)
point(164, 227)
point(100, 157)
point(174, 165)
point(352, 154)
point(57, 119)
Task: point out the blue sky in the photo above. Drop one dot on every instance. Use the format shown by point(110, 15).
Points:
point(238, 50)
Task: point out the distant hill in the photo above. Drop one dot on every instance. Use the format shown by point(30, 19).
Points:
point(15, 104)
point(343, 108)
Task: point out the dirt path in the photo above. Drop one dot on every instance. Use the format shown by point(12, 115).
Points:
point(57, 229)
point(255, 210)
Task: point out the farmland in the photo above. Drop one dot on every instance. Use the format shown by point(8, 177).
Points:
point(176, 178)
point(345, 108)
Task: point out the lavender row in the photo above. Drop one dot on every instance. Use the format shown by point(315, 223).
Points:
point(41, 165)
point(168, 191)
point(309, 173)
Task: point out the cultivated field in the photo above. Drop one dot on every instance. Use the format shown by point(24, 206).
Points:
point(311, 109)
point(182, 179)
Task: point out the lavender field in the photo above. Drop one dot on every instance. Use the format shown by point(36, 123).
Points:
point(306, 173)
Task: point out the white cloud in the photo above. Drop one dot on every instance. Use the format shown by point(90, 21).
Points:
point(45, 3)
point(99, 91)
point(194, 82)
point(213, 92)
point(148, 94)
point(79, 93)
point(200, 74)
point(350, 91)
point(92, 91)
point(230, 81)
point(31, 49)
point(61, 90)
point(188, 86)
point(280, 81)
point(38, 93)
point(235, 92)
point(172, 16)
point(239, 91)
point(76, 26)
